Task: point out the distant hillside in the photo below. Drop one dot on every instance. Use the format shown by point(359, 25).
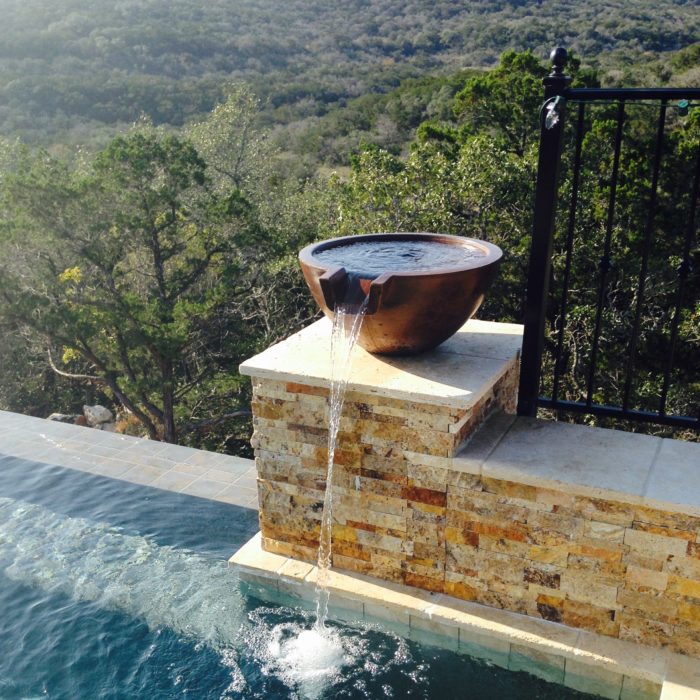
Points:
point(74, 68)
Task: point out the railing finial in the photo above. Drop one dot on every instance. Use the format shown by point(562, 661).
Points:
point(557, 81)
point(558, 57)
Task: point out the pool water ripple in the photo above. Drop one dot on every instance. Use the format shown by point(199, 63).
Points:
point(106, 594)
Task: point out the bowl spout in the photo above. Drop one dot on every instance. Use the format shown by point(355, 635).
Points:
point(338, 286)
point(378, 290)
point(334, 286)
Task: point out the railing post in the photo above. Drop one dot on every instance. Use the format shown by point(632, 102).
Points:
point(551, 132)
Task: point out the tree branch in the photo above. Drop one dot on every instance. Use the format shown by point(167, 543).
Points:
point(181, 391)
point(112, 383)
point(212, 422)
point(69, 375)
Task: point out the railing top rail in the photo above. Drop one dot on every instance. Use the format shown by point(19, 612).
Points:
point(593, 94)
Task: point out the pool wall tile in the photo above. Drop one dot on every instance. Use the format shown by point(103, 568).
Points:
point(639, 689)
point(482, 646)
point(294, 589)
point(142, 475)
point(204, 488)
point(399, 617)
point(549, 667)
point(423, 628)
point(259, 588)
point(593, 679)
point(433, 638)
point(344, 609)
point(174, 480)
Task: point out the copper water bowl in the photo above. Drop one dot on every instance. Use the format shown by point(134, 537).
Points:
point(407, 312)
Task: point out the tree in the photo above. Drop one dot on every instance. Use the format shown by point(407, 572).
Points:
point(229, 139)
point(240, 156)
point(129, 274)
point(505, 101)
point(479, 190)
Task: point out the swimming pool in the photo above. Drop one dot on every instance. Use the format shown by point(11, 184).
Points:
point(114, 590)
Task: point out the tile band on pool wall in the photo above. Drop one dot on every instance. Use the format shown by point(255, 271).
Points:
point(410, 508)
point(609, 668)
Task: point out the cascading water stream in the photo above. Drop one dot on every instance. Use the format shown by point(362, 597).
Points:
point(319, 652)
point(192, 595)
point(347, 321)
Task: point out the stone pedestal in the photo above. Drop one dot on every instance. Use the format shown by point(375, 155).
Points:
point(593, 529)
point(404, 420)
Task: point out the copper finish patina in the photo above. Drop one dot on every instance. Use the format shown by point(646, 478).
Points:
point(407, 312)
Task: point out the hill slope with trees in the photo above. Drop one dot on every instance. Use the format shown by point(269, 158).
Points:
point(143, 274)
point(71, 71)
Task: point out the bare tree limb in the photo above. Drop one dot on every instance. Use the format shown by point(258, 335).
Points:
point(213, 422)
point(70, 375)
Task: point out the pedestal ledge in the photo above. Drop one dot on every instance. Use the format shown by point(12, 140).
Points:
point(456, 374)
point(596, 463)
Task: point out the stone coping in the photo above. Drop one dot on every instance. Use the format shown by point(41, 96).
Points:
point(175, 468)
point(592, 462)
point(455, 374)
point(579, 659)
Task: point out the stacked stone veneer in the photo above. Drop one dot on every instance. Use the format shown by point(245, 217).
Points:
point(619, 569)
point(388, 517)
point(406, 510)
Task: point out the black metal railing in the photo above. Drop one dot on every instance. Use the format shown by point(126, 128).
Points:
point(612, 314)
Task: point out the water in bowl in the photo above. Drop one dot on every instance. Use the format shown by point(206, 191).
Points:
point(370, 259)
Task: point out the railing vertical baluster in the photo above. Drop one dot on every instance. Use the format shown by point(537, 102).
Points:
point(683, 271)
point(557, 93)
point(649, 230)
point(541, 251)
point(605, 262)
point(569, 249)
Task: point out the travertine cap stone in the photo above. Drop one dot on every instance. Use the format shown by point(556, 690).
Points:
point(455, 374)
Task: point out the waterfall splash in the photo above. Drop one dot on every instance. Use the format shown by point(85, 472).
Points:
point(167, 588)
point(346, 327)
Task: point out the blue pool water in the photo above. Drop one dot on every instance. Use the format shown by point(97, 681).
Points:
point(118, 591)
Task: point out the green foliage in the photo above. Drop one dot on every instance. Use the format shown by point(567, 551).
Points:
point(236, 152)
point(481, 191)
point(144, 273)
point(129, 268)
point(476, 177)
point(505, 100)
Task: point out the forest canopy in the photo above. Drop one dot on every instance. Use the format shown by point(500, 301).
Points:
point(161, 165)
